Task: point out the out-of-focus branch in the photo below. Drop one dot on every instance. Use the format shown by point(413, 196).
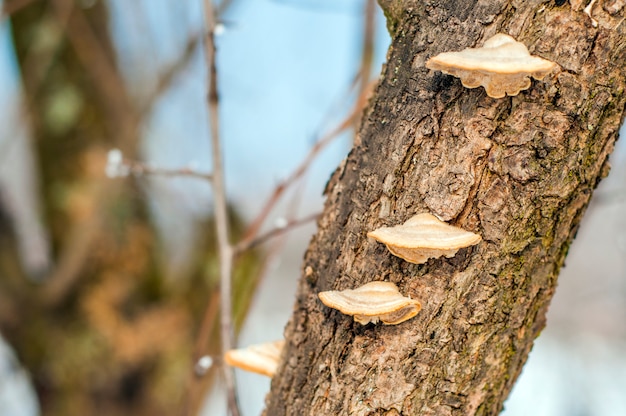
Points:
point(119, 166)
point(138, 168)
point(107, 80)
point(254, 228)
point(191, 399)
point(221, 213)
point(276, 231)
point(13, 6)
point(9, 312)
point(362, 79)
point(37, 62)
point(72, 258)
point(222, 7)
point(367, 56)
point(169, 74)
point(112, 92)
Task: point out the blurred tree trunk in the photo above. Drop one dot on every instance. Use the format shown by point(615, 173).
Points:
point(519, 170)
point(106, 333)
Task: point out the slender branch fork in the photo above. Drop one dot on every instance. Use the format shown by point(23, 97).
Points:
point(119, 166)
point(253, 230)
point(221, 214)
point(137, 168)
point(13, 6)
point(244, 245)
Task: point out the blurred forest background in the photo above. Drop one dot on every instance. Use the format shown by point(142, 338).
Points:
point(109, 268)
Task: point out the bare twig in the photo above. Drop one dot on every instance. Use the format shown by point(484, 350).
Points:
point(270, 258)
point(119, 166)
point(9, 311)
point(276, 231)
point(367, 56)
point(190, 402)
point(222, 7)
point(170, 73)
point(106, 79)
point(253, 230)
point(13, 6)
point(137, 168)
point(221, 214)
point(38, 61)
point(110, 87)
point(72, 259)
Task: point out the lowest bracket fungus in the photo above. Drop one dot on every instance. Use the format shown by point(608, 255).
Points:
point(373, 302)
point(503, 66)
point(259, 358)
point(424, 236)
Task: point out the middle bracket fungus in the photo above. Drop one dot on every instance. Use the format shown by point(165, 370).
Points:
point(372, 302)
point(503, 66)
point(424, 236)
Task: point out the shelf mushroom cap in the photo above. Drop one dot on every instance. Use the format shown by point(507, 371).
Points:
point(424, 236)
point(372, 302)
point(259, 358)
point(502, 65)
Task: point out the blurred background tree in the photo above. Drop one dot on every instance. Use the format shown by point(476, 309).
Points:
point(107, 331)
point(103, 299)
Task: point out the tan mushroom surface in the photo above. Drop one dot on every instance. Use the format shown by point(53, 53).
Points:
point(372, 302)
point(259, 358)
point(502, 66)
point(424, 236)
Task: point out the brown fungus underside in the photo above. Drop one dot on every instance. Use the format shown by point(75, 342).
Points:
point(519, 170)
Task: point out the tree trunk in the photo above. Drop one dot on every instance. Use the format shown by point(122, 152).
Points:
point(518, 170)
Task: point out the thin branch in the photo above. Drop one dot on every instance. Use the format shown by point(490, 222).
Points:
point(367, 56)
point(10, 313)
point(272, 253)
point(302, 168)
point(74, 254)
point(119, 166)
point(170, 73)
point(276, 231)
point(38, 61)
point(137, 168)
point(13, 6)
point(221, 213)
point(190, 401)
point(110, 87)
point(222, 7)
point(98, 64)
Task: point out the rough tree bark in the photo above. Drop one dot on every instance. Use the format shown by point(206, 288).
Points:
point(519, 170)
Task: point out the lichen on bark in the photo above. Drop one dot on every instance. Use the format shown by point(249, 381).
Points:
point(519, 171)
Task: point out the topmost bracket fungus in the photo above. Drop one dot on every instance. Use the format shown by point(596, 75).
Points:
point(503, 66)
point(424, 236)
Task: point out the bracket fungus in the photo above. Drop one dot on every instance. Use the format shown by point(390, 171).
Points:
point(259, 358)
point(424, 236)
point(372, 302)
point(502, 65)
